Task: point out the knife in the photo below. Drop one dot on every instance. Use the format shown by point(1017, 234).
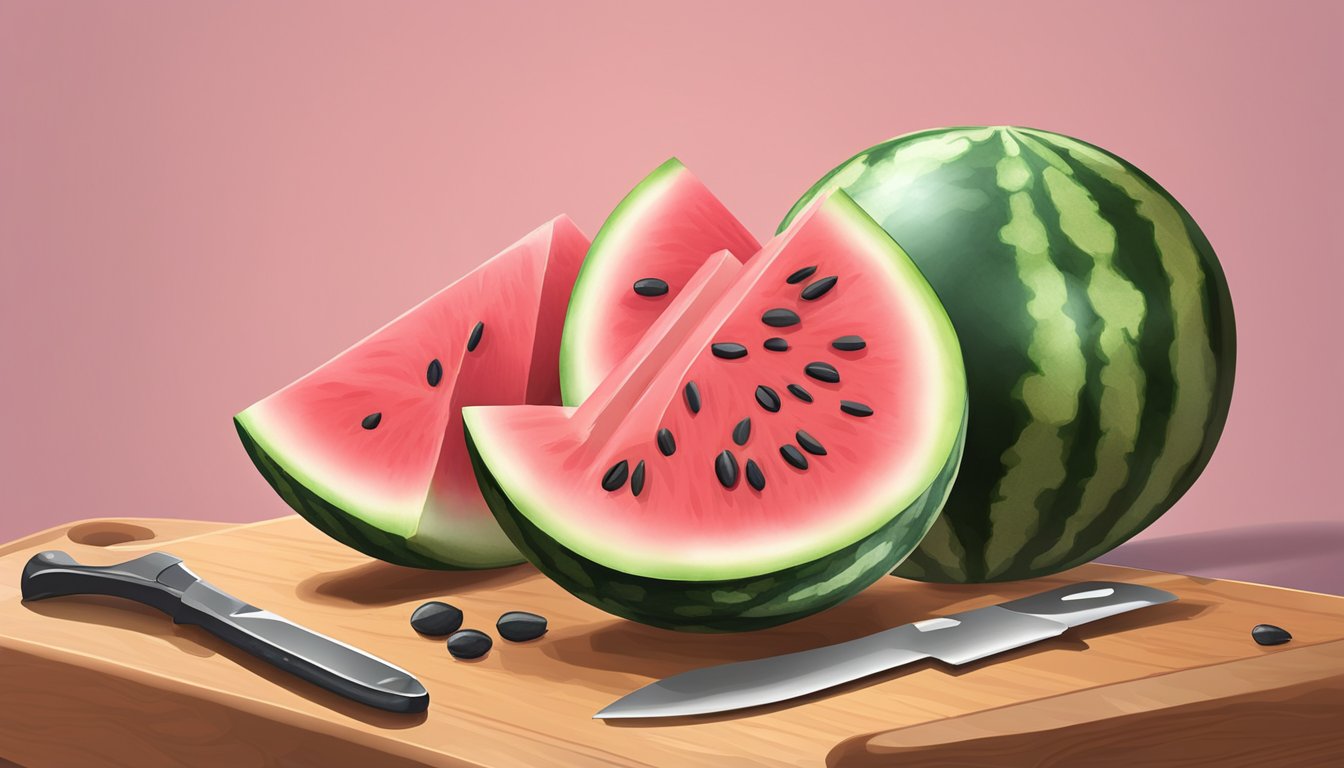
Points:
point(957, 639)
point(161, 580)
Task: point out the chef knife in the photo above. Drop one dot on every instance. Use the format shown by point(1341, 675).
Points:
point(956, 639)
point(161, 580)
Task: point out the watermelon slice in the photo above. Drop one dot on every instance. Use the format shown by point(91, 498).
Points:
point(647, 250)
point(369, 446)
point(783, 436)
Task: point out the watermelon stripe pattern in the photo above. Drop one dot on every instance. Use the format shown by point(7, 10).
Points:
point(345, 528)
point(724, 606)
point(1097, 330)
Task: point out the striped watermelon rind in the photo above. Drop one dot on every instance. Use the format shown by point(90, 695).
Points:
point(1097, 329)
point(729, 605)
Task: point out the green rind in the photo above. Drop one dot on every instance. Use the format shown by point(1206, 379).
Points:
point(573, 389)
point(951, 243)
point(332, 520)
point(734, 605)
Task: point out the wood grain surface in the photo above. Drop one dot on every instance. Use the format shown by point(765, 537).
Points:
point(87, 680)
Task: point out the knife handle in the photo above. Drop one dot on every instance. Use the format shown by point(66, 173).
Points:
point(156, 579)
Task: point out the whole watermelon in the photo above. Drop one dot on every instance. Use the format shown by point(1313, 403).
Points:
point(1097, 331)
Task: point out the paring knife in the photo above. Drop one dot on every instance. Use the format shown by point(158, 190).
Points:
point(163, 582)
point(957, 639)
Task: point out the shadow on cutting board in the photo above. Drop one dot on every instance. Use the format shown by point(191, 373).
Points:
point(627, 647)
point(196, 642)
point(377, 583)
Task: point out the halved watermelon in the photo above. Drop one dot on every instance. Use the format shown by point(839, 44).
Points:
point(781, 437)
point(369, 446)
point(669, 220)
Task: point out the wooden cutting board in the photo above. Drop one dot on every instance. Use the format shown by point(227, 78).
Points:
point(87, 680)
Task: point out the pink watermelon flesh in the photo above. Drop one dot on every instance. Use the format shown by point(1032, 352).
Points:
point(665, 229)
point(552, 471)
point(399, 485)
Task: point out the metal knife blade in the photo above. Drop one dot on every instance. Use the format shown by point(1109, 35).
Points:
point(957, 639)
point(162, 581)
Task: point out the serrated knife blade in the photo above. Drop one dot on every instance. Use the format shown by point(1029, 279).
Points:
point(956, 639)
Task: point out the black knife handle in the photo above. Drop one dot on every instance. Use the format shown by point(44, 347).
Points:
point(156, 579)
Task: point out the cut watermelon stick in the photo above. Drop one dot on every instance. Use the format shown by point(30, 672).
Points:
point(369, 446)
point(854, 471)
point(659, 235)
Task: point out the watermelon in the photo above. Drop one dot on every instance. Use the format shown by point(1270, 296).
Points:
point(659, 235)
point(369, 446)
point(1097, 329)
point(782, 435)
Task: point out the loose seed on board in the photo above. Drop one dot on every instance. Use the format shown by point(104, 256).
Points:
point(667, 444)
point(637, 479)
point(768, 399)
point(800, 275)
point(615, 477)
point(434, 373)
point(794, 456)
point(372, 420)
point(822, 372)
point(854, 408)
point(692, 393)
point(818, 289)
point(436, 618)
point(650, 286)
point(520, 626)
point(755, 477)
point(776, 344)
point(728, 350)
point(469, 644)
point(1268, 634)
point(475, 337)
point(742, 431)
point(809, 443)
point(802, 394)
point(780, 317)
point(849, 343)
point(725, 467)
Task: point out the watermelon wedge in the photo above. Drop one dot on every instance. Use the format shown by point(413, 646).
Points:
point(647, 250)
point(369, 446)
point(781, 437)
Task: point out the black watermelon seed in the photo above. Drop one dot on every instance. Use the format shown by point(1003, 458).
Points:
point(692, 393)
point(728, 350)
point(667, 444)
point(469, 644)
point(794, 456)
point(742, 431)
point(802, 394)
point(768, 399)
point(650, 286)
point(371, 421)
point(436, 619)
point(800, 275)
point(849, 343)
point(776, 344)
point(434, 373)
point(818, 289)
point(615, 477)
point(822, 372)
point(810, 444)
point(637, 479)
point(755, 477)
point(855, 408)
point(725, 467)
point(779, 317)
point(521, 626)
point(1268, 634)
point(475, 337)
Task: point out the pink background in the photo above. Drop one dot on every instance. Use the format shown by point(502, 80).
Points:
point(198, 203)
